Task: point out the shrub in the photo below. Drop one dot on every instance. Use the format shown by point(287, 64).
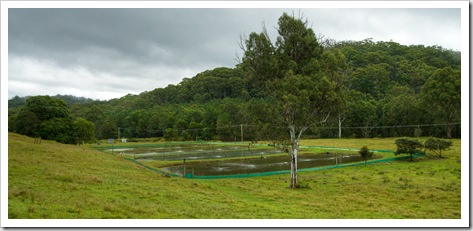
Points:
point(408, 146)
point(437, 145)
point(365, 153)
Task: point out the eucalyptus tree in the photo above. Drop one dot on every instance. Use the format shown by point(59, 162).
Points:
point(294, 75)
point(96, 115)
point(339, 71)
point(441, 95)
point(401, 107)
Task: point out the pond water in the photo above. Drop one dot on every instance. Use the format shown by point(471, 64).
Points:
point(193, 152)
point(262, 164)
point(258, 159)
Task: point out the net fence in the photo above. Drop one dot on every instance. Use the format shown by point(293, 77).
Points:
point(269, 173)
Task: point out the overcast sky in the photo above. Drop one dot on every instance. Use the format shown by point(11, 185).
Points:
point(108, 53)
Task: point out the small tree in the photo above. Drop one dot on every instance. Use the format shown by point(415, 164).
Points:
point(408, 146)
point(84, 130)
point(437, 145)
point(365, 153)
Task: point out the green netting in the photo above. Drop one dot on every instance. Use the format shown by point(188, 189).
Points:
point(305, 169)
point(164, 173)
point(188, 175)
point(343, 149)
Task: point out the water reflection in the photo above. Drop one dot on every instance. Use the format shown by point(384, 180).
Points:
point(255, 165)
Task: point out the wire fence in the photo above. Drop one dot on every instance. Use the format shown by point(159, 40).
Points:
point(250, 132)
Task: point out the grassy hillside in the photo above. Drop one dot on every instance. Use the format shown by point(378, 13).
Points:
point(51, 180)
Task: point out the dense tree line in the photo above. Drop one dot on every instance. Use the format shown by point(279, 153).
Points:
point(384, 89)
point(49, 118)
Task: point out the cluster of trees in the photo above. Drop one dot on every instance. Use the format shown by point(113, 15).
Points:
point(384, 89)
point(49, 118)
point(413, 146)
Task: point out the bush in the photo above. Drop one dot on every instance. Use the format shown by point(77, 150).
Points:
point(365, 153)
point(408, 146)
point(437, 145)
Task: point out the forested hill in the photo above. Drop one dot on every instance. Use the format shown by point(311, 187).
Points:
point(377, 67)
point(69, 99)
point(384, 97)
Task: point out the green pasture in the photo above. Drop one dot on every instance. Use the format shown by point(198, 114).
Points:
point(52, 180)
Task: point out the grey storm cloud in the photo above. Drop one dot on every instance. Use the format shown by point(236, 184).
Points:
point(142, 35)
point(108, 53)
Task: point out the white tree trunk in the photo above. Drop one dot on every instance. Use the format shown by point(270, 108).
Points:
point(295, 142)
point(339, 128)
point(293, 167)
point(340, 121)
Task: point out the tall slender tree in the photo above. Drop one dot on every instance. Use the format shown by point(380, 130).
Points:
point(295, 76)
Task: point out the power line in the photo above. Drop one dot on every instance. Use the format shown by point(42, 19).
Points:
point(278, 126)
point(393, 126)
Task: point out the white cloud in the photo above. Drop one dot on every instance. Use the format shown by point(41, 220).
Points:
point(34, 77)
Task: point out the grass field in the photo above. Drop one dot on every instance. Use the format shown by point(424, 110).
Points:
point(51, 180)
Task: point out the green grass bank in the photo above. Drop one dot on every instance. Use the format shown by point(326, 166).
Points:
point(52, 180)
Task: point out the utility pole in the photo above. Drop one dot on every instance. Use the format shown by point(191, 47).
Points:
point(118, 133)
point(241, 128)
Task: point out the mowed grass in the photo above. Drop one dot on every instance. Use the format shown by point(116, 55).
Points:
point(51, 180)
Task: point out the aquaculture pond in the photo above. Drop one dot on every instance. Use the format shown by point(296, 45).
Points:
point(216, 159)
point(192, 151)
point(258, 165)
